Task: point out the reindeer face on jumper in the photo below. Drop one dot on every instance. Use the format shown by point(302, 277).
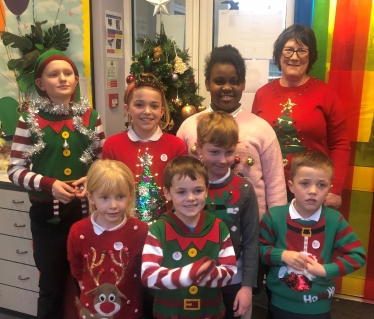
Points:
point(107, 300)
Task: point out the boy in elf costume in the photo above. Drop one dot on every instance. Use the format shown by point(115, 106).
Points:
point(188, 254)
point(232, 199)
point(299, 242)
point(56, 140)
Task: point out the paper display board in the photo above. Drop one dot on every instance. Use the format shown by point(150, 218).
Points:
point(253, 34)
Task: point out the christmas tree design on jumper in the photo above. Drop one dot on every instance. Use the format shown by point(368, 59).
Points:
point(149, 203)
point(287, 134)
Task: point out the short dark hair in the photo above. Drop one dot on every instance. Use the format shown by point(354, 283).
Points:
point(226, 54)
point(183, 166)
point(301, 34)
point(314, 159)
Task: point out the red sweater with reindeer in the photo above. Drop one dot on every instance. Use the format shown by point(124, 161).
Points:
point(108, 265)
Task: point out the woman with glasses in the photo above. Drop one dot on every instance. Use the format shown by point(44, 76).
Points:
point(306, 113)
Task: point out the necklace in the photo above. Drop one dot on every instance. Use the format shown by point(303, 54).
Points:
point(77, 110)
point(298, 94)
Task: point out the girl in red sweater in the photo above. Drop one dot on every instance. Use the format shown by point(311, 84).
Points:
point(105, 250)
point(145, 148)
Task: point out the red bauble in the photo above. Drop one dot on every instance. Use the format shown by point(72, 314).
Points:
point(237, 159)
point(130, 79)
point(192, 80)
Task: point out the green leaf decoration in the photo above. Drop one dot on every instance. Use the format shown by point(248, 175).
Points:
point(57, 37)
point(16, 41)
point(25, 82)
point(8, 114)
point(26, 63)
point(32, 46)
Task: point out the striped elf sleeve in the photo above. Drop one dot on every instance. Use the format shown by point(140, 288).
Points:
point(19, 168)
point(269, 254)
point(351, 255)
point(223, 273)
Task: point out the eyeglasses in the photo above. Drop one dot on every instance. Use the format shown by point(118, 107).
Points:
point(301, 53)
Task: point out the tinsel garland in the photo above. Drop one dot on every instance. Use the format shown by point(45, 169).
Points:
point(77, 109)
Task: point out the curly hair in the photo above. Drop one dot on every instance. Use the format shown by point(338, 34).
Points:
point(226, 54)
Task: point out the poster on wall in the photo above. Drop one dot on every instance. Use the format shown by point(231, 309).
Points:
point(247, 26)
point(111, 73)
point(114, 34)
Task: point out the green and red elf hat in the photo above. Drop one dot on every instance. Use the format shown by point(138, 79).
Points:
point(42, 62)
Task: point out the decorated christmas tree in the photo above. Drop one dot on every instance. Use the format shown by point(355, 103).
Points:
point(287, 134)
point(169, 64)
point(149, 203)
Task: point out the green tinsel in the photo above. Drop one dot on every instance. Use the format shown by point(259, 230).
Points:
point(149, 203)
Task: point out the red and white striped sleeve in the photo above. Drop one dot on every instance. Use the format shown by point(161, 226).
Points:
point(155, 276)
point(223, 273)
point(19, 168)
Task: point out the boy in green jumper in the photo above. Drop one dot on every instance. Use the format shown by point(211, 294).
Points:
point(188, 254)
point(298, 242)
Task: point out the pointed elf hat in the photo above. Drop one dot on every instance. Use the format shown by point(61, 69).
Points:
point(42, 62)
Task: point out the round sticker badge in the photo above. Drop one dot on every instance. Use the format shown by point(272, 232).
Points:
point(177, 255)
point(316, 244)
point(164, 157)
point(118, 245)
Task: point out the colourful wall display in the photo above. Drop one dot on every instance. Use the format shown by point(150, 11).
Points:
point(17, 17)
point(345, 31)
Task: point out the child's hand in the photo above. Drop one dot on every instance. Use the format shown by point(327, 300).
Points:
point(294, 259)
point(63, 192)
point(315, 268)
point(243, 301)
point(205, 270)
point(80, 187)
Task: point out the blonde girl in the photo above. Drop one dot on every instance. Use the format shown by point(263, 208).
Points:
point(105, 249)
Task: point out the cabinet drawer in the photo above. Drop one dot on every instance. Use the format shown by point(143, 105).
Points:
point(16, 249)
point(14, 200)
point(18, 300)
point(15, 223)
point(18, 275)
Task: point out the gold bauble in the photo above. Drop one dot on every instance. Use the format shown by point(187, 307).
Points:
point(178, 102)
point(250, 161)
point(193, 149)
point(188, 110)
point(157, 51)
point(285, 162)
point(201, 108)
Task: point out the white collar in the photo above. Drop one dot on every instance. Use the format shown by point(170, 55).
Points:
point(234, 114)
point(100, 229)
point(135, 138)
point(218, 181)
point(295, 215)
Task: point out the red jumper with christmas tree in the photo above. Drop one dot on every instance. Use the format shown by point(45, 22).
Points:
point(306, 117)
point(153, 155)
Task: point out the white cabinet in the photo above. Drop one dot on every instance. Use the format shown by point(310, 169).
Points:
point(18, 276)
